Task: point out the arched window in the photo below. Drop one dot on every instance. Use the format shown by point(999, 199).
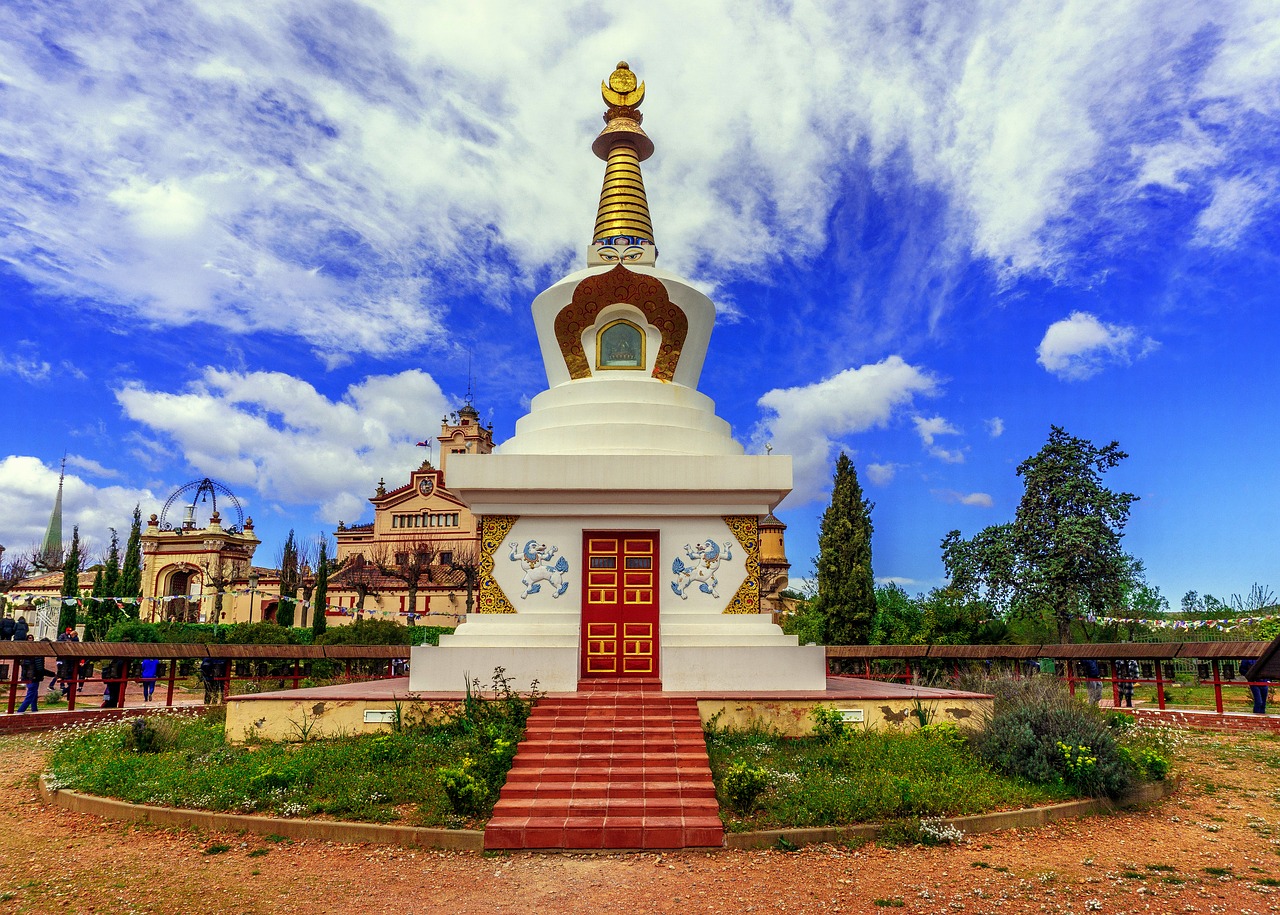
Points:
point(620, 345)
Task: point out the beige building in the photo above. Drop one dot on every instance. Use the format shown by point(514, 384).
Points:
point(203, 574)
point(417, 560)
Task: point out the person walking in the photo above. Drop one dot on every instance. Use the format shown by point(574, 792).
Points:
point(1127, 672)
point(33, 674)
point(21, 629)
point(1257, 688)
point(1093, 679)
point(149, 669)
point(6, 628)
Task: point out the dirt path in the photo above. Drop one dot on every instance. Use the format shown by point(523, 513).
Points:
point(1225, 818)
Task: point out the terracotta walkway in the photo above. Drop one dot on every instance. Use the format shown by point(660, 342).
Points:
point(620, 768)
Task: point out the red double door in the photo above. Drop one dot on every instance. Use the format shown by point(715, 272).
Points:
point(620, 604)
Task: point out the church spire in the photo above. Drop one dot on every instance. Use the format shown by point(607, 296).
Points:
point(623, 216)
point(51, 550)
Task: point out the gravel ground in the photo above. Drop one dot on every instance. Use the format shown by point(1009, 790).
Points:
point(1208, 848)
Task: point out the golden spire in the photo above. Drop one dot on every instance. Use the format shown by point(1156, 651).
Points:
point(624, 211)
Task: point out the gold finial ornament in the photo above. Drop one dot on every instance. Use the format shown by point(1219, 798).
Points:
point(620, 90)
point(623, 145)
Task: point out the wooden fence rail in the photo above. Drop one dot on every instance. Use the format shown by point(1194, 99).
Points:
point(72, 660)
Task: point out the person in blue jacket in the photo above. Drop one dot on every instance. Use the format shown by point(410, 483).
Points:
point(1257, 688)
point(149, 669)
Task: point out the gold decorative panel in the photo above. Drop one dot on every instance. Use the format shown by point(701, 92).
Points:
point(493, 531)
point(746, 530)
point(620, 285)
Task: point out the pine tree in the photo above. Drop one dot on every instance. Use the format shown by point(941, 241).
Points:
point(131, 567)
point(288, 582)
point(111, 568)
point(321, 597)
point(846, 588)
point(70, 583)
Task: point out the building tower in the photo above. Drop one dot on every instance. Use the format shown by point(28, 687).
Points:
point(620, 525)
point(51, 556)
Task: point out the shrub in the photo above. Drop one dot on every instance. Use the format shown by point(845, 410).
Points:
point(828, 723)
point(945, 731)
point(743, 785)
point(133, 631)
point(254, 634)
point(468, 792)
point(366, 632)
point(148, 736)
point(1043, 735)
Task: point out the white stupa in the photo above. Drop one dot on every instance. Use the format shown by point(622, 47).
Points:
point(619, 526)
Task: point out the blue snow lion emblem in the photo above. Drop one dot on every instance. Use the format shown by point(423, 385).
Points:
point(704, 563)
point(536, 560)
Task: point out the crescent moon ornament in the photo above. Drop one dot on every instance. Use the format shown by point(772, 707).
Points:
point(620, 90)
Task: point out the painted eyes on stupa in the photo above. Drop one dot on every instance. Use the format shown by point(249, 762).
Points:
point(613, 255)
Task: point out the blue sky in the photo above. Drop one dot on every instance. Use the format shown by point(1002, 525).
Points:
point(262, 241)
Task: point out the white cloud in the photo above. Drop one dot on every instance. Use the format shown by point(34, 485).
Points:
point(339, 172)
point(995, 427)
point(27, 491)
point(976, 499)
point(808, 422)
point(899, 580)
point(1081, 346)
point(89, 465)
point(1235, 203)
point(279, 437)
point(21, 358)
point(928, 429)
point(881, 474)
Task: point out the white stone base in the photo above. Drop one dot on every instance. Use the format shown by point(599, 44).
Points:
point(449, 669)
point(701, 652)
point(757, 668)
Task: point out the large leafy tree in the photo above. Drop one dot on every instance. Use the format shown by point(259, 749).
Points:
point(1060, 558)
point(846, 597)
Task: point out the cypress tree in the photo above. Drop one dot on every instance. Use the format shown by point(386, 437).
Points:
point(70, 583)
point(288, 582)
point(111, 569)
point(131, 567)
point(321, 597)
point(846, 588)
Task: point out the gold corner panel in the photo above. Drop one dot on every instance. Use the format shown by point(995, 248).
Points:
point(746, 530)
point(493, 532)
point(620, 285)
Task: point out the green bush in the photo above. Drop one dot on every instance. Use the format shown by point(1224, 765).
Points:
point(1043, 735)
point(467, 791)
point(866, 776)
point(366, 632)
point(743, 785)
point(254, 634)
point(496, 725)
point(133, 631)
point(427, 635)
point(828, 723)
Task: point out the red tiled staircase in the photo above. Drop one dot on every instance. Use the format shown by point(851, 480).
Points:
point(617, 766)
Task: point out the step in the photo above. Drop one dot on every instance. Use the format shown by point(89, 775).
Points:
point(617, 767)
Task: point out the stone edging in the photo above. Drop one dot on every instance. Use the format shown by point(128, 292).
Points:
point(971, 825)
point(348, 833)
point(323, 830)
